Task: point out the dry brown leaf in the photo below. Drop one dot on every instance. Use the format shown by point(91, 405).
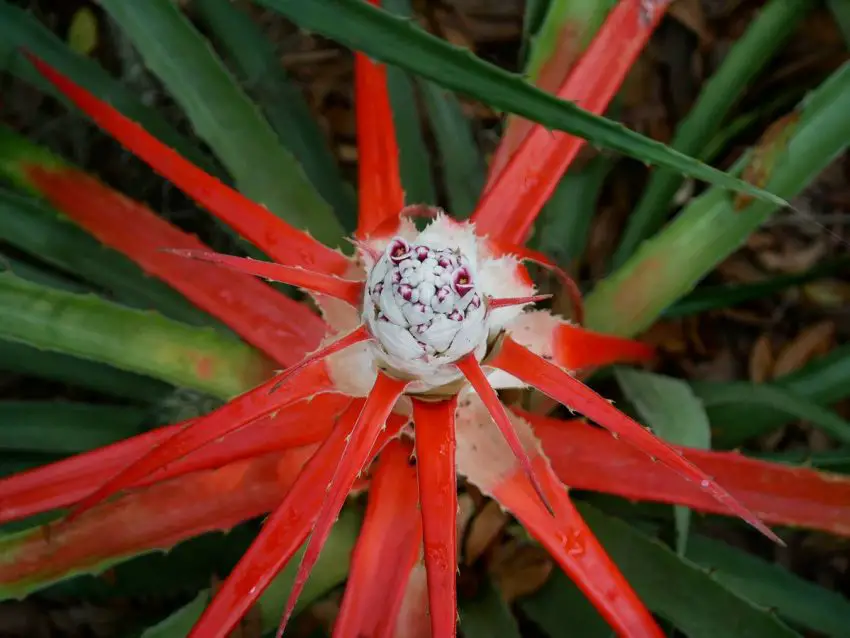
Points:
point(738, 269)
point(794, 259)
point(669, 336)
point(761, 359)
point(483, 530)
point(811, 342)
point(520, 570)
point(828, 293)
point(690, 13)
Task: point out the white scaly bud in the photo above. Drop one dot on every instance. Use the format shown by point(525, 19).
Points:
point(425, 310)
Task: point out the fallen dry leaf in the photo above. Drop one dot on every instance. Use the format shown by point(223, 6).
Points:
point(811, 342)
point(484, 529)
point(761, 359)
point(520, 570)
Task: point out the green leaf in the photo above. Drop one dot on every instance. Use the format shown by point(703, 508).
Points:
point(570, 24)
point(132, 340)
point(365, 28)
point(40, 274)
point(417, 178)
point(222, 115)
point(461, 160)
point(769, 585)
point(559, 600)
point(564, 225)
point(712, 226)
point(487, 614)
point(330, 570)
point(831, 460)
point(841, 11)
point(671, 409)
point(38, 229)
point(19, 29)
point(762, 394)
point(257, 66)
point(677, 589)
point(57, 427)
point(750, 54)
point(725, 296)
point(532, 19)
point(20, 358)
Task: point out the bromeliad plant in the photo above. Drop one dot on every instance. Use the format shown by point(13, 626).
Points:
point(418, 331)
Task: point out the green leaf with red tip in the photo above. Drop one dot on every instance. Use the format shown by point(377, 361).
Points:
point(520, 186)
point(197, 79)
point(132, 340)
point(714, 225)
point(750, 54)
point(566, 29)
point(396, 41)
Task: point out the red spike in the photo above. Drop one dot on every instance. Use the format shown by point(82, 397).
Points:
point(573, 545)
point(283, 328)
point(281, 536)
point(471, 369)
point(275, 237)
point(504, 302)
point(331, 285)
point(563, 387)
point(386, 550)
point(380, 192)
point(240, 412)
point(435, 463)
point(356, 336)
point(580, 349)
point(66, 482)
point(155, 517)
point(588, 458)
point(510, 206)
point(567, 283)
point(367, 429)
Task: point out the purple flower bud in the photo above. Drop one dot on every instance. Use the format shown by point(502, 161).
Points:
point(462, 281)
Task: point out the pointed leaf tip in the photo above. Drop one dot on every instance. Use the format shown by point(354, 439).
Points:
point(355, 458)
point(472, 370)
point(562, 386)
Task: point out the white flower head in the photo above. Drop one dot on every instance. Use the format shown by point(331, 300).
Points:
point(425, 309)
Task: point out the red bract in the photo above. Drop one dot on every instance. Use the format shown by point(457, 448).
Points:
point(421, 329)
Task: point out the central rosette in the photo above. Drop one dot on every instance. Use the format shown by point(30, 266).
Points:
point(424, 309)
